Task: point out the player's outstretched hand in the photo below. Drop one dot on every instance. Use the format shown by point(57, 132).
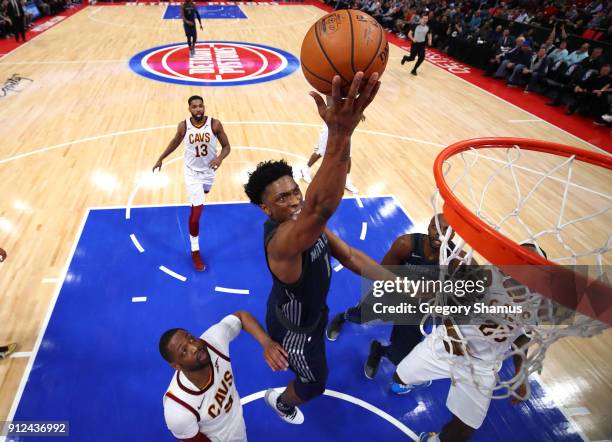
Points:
point(275, 355)
point(343, 115)
point(157, 166)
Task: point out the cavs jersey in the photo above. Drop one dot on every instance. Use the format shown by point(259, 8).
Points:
point(215, 410)
point(200, 145)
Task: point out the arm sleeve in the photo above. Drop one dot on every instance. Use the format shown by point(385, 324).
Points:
point(224, 332)
point(197, 14)
point(181, 423)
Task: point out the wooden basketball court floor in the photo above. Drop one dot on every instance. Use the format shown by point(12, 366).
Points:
point(86, 132)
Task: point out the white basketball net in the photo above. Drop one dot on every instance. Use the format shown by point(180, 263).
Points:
point(560, 205)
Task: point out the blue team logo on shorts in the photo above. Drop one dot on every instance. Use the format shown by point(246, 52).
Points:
point(215, 63)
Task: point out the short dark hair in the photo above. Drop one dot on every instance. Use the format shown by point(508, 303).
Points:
point(164, 341)
point(194, 97)
point(266, 172)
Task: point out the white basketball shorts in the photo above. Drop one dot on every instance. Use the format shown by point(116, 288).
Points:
point(198, 183)
point(429, 361)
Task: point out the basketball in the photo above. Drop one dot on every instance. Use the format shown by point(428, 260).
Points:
point(343, 43)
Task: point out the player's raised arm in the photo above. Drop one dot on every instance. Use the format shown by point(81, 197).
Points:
point(174, 143)
point(400, 249)
point(327, 187)
point(357, 261)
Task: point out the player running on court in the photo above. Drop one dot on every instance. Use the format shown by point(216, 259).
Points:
point(200, 134)
point(189, 13)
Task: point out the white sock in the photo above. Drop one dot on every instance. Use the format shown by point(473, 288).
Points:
point(195, 243)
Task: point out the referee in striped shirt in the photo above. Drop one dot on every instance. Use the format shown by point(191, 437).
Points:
point(421, 32)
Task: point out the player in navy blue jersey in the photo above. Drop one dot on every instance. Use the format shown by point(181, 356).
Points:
point(298, 247)
point(189, 13)
point(411, 250)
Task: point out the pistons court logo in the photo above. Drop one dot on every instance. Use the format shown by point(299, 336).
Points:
point(215, 63)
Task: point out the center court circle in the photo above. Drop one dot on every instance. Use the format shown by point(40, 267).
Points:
point(215, 63)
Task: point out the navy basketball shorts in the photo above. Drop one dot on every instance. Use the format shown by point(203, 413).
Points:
point(190, 31)
point(306, 353)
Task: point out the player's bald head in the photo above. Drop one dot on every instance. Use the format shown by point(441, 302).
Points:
point(441, 219)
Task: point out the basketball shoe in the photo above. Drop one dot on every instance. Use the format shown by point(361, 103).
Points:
point(294, 416)
point(8, 350)
point(198, 262)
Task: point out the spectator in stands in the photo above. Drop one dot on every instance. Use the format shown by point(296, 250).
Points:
point(495, 34)
point(5, 22)
point(604, 119)
point(594, 7)
point(28, 16)
point(572, 14)
point(438, 32)
point(513, 58)
point(403, 25)
point(43, 7)
point(596, 21)
point(550, 10)
point(393, 13)
point(475, 21)
point(590, 65)
point(549, 45)
point(17, 15)
point(534, 72)
point(506, 41)
point(591, 95)
point(529, 39)
point(559, 54)
point(485, 31)
point(523, 17)
point(372, 7)
point(562, 71)
point(496, 61)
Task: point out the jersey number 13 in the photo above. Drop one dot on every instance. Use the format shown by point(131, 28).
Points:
point(201, 150)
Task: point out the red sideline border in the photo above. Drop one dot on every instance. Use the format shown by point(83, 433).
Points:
point(535, 104)
point(38, 27)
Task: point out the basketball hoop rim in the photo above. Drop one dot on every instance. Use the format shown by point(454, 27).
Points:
point(473, 229)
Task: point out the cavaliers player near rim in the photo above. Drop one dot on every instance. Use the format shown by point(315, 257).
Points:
point(298, 246)
point(200, 134)
point(201, 403)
